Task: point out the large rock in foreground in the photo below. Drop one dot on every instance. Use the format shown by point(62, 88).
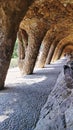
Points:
point(57, 113)
point(68, 72)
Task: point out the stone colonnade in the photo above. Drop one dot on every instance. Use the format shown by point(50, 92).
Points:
point(44, 25)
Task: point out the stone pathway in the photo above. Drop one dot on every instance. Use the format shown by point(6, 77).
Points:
point(24, 97)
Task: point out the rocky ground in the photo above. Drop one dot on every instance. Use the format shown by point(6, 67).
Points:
point(22, 102)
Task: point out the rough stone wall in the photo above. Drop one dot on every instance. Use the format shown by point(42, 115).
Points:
point(58, 110)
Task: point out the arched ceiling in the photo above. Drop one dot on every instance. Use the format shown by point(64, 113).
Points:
point(45, 11)
point(55, 15)
point(67, 1)
point(67, 50)
point(65, 41)
point(52, 13)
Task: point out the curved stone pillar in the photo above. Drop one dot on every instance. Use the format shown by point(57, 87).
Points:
point(59, 53)
point(22, 46)
point(6, 49)
point(56, 55)
point(43, 56)
point(11, 13)
point(31, 56)
point(34, 42)
point(48, 39)
point(21, 50)
point(51, 51)
point(24, 40)
point(50, 54)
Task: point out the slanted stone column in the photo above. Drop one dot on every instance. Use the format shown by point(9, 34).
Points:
point(22, 46)
point(21, 50)
point(24, 41)
point(50, 54)
point(11, 13)
point(48, 39)
point(51, 51)
point(34, 42)
point(6, 49)
point(59, 54)
point(43, 55)
point(56, 55)
point(31, 55)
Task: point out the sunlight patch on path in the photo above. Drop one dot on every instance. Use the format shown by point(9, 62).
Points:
point(3, 117)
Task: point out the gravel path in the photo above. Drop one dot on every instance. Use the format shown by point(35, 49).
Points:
point(24, 97)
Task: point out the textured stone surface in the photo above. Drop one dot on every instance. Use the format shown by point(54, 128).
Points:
point(49, 13)
point(11, 13)
point(58, 110)
point(68, 72)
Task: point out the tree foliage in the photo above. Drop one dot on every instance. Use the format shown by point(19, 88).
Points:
point(15, 52)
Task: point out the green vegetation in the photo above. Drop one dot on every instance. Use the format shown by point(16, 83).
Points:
point(14, 60)
point(15, 53)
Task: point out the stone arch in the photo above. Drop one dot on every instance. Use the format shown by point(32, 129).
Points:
point(54, 44)
point(64, 41)
point(62, 48)
point(68, 49)
point(62, 31)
